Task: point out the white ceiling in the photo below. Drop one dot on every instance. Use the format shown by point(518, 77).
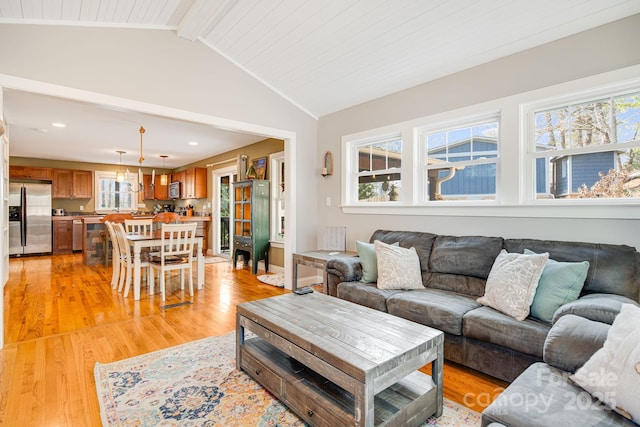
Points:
point(322, 55)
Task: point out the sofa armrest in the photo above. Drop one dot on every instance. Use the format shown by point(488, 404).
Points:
point(572, 341)
point(598, 307)
point(340, 270)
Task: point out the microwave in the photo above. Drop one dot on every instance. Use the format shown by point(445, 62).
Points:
point(174, 190)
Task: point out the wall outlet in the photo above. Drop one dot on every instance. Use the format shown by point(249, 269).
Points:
point(81, 208)
point(328, 202)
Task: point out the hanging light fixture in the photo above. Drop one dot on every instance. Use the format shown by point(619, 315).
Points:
point(120, 174)
point(164, 178)
point(140, 160)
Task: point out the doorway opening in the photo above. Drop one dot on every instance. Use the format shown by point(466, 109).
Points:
point(222, 209)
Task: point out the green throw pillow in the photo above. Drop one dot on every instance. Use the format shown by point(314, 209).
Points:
point(369, 261)
point(560, 283)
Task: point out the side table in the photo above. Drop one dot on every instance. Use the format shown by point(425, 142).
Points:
point(316, 259)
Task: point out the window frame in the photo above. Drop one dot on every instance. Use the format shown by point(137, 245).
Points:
point(530, 155)
point(133, 180)
point(383, 139)
point(421, 177)
point(515, 171)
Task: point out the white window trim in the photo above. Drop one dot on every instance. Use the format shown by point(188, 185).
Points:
point(528, 141)
point(274, 161)
point(420, 183)
point(513, 176)
point(112, 174)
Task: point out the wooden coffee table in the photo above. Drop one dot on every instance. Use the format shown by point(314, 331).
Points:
point(337, 363)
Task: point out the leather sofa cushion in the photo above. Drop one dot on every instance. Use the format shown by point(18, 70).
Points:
point(486, 324)
point(410, 239)
point(613, 269)
point(366, 294)
point(572, 341)
point(465, 255)
point(543, 396)
point(436, 308)
point(462, 264)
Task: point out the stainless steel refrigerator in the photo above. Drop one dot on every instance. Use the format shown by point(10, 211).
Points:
point(29, 218)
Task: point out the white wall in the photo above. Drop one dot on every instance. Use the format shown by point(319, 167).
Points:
point(591, 53)
point(4, 226)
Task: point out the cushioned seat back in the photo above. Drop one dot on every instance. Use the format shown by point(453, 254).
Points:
point(613, 269)
point(462, 264)
point(408, 239)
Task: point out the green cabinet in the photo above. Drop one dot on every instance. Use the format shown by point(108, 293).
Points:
point(251, 222)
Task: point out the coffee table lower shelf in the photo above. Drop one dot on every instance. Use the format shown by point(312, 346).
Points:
point(322, 403)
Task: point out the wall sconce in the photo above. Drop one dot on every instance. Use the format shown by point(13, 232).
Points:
point(327, 166)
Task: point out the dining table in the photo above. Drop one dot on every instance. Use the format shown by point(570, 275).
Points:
point(154, 239)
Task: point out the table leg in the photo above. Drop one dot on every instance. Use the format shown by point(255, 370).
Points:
point(200, 265)
point(364, 409)
point(136, 272)
point(239, 341)
point(294, 280)
point(437, 377)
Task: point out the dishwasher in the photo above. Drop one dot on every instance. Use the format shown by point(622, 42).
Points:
point(77, 235)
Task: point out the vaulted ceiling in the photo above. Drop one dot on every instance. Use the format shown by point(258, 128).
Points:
point(328, 55)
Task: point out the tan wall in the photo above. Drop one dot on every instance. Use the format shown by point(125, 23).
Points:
point(253, 151)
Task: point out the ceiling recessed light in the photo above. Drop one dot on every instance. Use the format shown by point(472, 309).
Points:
point(193, 143)
point(59, 125)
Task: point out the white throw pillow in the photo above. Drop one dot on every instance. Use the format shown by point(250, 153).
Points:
point(612, 374)
point(512, 283)
point(398, 267)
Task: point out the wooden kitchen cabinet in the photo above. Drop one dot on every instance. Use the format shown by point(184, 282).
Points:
point(63, 236)
point(155, 192)
point(72, 184)
point(30, 172)
point(195, 183)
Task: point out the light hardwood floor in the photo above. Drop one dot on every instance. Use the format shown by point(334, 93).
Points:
point(61, 317)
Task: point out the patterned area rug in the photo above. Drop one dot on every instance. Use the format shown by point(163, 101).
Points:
point(276, 279)
point(196, 384)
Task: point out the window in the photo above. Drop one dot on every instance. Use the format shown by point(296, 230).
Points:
point(377, 162)
point(588, 149)
point(459, 163)
point(276, 161)
point(564, 151)
point(112, 195)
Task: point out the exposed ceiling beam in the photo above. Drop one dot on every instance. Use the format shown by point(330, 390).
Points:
point(202, 17)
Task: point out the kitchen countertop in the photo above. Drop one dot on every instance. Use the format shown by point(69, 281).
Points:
point(96, 219)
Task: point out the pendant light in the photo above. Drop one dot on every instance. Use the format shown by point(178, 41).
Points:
point(164, 178)
point(140, 160)
point(120, 174)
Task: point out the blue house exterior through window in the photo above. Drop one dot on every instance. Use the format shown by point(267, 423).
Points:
point(478, 180)
point(580, 169)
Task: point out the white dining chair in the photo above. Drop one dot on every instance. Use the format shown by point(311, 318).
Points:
point(138, 226)
point(126, 259)
point(115, 257)
point(176, 253)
